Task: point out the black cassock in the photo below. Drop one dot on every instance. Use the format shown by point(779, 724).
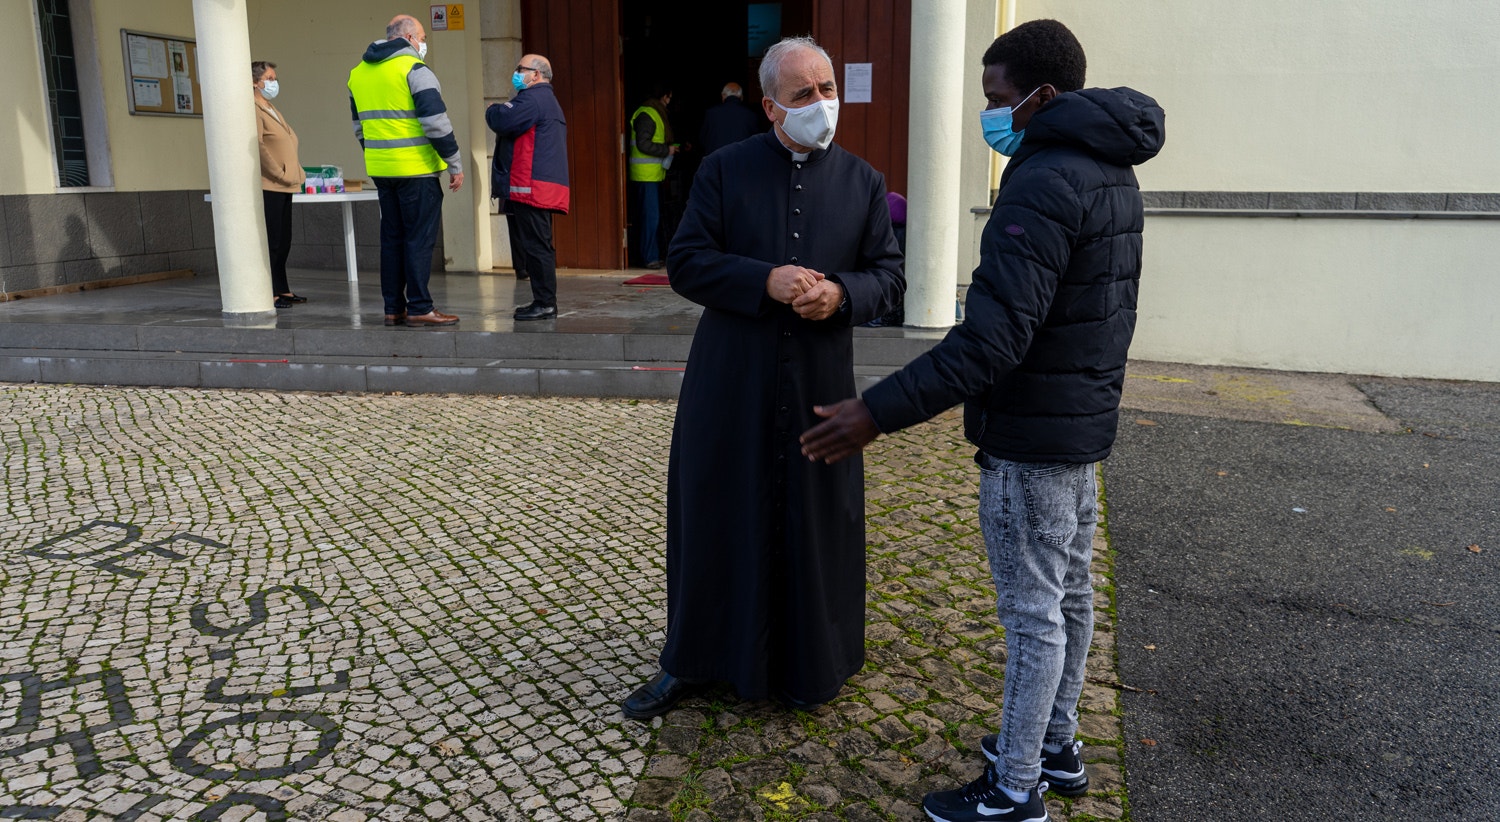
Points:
point(765, 550)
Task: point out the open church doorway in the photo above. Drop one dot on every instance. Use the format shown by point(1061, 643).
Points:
point(607, 55)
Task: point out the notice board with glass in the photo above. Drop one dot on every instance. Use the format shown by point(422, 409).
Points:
point(161, 74)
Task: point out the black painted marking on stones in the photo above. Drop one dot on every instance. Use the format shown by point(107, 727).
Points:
point(273, 808)
point(258, 611)
point(134, 811)
point(81, 742)
point(221, 654)
point(182, 755)
point(158, 548)
point(215, 690)
point(132, 533)
point(29, 812)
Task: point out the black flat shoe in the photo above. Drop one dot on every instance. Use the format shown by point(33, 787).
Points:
point(658, 696)
point(536, 311)
point(798, 704)
point(291, 298)
point(282, 302)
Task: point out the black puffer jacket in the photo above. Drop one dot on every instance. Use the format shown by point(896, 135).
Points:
point(1040, 357)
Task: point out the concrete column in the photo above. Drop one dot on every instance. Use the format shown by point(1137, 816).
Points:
point(936, 144)
point(223, 30)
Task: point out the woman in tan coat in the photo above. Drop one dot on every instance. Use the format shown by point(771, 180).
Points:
point(281, 176)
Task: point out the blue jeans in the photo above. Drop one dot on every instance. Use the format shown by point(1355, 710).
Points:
point(648, 210)
point(411, 209)
point(1038, 521)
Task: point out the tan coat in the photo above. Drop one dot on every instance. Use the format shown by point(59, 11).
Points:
point(280, 170)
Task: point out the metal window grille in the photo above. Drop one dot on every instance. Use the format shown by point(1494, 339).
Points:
point(64, 102)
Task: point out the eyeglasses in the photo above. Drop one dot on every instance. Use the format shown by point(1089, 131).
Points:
point(528, 68)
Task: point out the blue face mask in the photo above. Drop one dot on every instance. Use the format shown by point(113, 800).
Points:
point(999, 129)
point(519, 81)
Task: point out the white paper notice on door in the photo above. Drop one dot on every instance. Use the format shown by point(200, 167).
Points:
point(857, 82)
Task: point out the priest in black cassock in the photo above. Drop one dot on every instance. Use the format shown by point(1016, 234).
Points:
point(787, 245)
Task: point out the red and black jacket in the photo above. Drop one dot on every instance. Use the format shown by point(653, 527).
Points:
point(531, 150)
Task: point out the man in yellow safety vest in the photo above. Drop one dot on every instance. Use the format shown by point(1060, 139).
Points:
point(402, 125)
point(651, 150)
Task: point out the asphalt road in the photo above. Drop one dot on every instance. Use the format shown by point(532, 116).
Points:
point(1314, 634)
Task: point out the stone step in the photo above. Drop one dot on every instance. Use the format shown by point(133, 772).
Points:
point(405, 343)
point(655, 379)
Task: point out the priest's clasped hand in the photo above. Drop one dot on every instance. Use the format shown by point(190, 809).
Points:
point(846, 429)
point(820, 301)
point(788, 282)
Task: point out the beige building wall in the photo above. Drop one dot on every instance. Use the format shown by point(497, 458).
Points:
point(1333, 98)
point(25, 137)
point(147, 153)
point(1287, 95)
point(1402, 298)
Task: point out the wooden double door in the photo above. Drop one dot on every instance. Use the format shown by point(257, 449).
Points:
point(606, 56)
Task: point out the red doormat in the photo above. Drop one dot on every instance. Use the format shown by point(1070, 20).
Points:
point(648, 279)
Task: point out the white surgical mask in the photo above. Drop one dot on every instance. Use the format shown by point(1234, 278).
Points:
point(422, 50)
point(811, 125)
point(270, 89)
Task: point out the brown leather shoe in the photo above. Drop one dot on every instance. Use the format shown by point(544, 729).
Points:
point(396, 319)
point(433, 317)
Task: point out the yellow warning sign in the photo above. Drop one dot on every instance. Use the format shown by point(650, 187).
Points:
point(455, 16)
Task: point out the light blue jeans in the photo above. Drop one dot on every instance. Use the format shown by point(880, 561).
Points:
point(1038, 521)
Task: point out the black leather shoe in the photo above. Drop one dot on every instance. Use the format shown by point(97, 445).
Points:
point(536, 311)
point(658, 696)
point(798, 704)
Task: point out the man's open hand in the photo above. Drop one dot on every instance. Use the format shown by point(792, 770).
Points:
point(846, 429)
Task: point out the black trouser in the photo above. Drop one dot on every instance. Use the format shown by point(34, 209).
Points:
point(279, 236)
point(411, 212)
point(531, 249)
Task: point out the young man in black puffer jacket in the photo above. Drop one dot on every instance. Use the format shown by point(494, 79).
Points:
point(1039, 363)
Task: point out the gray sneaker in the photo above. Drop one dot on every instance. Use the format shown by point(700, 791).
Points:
point(1062, 771)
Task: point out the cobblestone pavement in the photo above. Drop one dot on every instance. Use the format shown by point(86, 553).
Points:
point(247, 605)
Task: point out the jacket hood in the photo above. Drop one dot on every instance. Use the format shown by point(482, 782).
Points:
point(1117, 125)
point(382, 50)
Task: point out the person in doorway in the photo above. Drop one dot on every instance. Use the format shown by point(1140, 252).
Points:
point(531, 178)
point(896, 317)
point(787, 245)
point(402, 125)
point(281, 176)
point(651, 150)
point(1039, 361)
point(728, 122)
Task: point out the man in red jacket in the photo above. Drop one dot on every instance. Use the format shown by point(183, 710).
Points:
point(531, 178)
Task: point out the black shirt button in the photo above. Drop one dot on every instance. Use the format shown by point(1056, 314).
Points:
point(796, 211)
point(798, 188)
point(796, 236)
point(794, 259)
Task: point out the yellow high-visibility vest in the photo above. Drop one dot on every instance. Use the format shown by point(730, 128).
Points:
point(395, 145)
point(643, 167)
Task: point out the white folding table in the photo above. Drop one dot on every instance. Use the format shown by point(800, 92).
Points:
point(347, 200)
